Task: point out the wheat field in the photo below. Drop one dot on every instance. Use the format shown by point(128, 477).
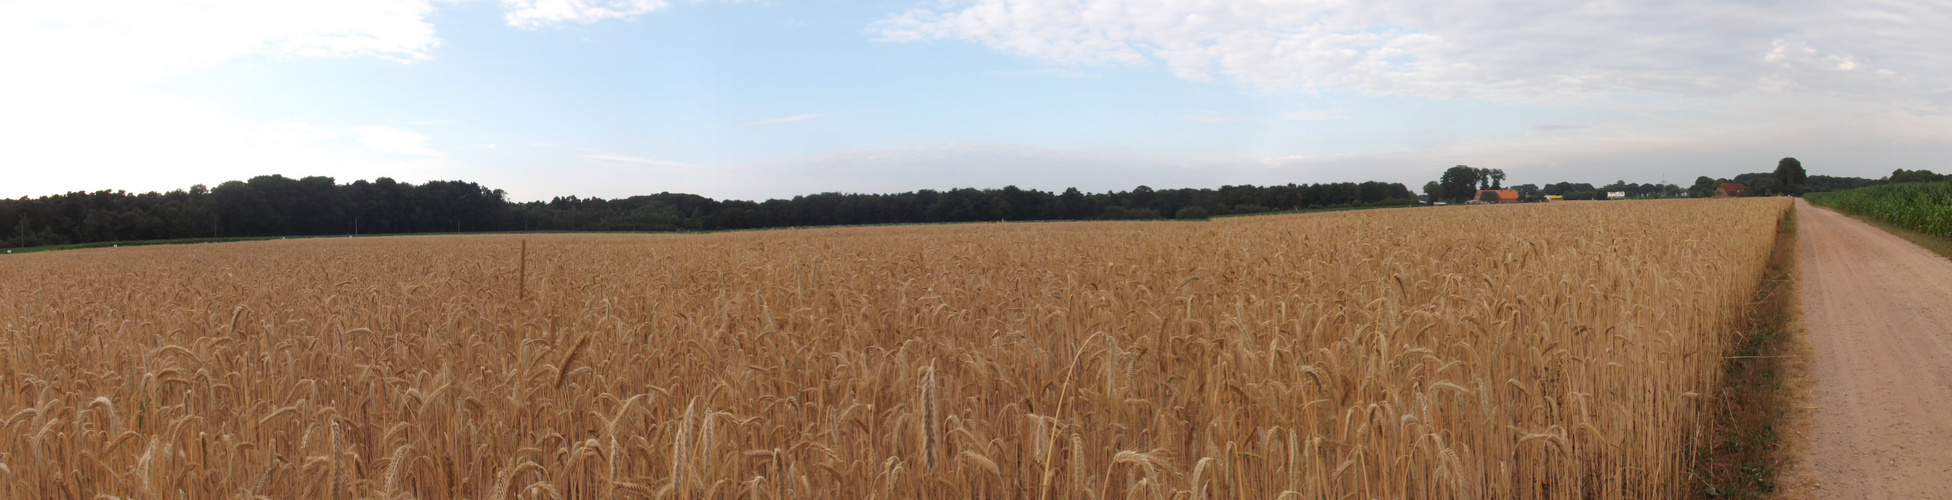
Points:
point(1531, 351)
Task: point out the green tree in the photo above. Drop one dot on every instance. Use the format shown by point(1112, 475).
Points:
point(1433, 191)
point(1071, 204)
point(1459, 183)
point(1703, 187)
point(1920, 175)
point(1790, 175)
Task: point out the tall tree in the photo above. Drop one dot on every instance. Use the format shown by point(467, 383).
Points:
point(1460, 183)
point(1790, 173)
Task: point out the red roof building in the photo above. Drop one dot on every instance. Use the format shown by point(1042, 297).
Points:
point(1731, 190)
point(1504, 195)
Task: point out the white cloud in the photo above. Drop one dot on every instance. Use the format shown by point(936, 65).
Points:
point(157, 144)
point(789, 119)
point(83, 109)
point(540, 13)
point(51, 45)
point(1500, 50)
point(1715, 87)
point(82, 106)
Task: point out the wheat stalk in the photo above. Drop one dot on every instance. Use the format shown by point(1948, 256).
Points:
point(1538, 351)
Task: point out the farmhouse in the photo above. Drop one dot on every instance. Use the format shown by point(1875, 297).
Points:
point(1731, 190)
point(1616, 195)
point(1503, 195)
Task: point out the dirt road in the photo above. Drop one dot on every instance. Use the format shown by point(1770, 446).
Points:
point(1879, 315)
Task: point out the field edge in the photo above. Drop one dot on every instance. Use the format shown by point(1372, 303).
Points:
point(1758, 424)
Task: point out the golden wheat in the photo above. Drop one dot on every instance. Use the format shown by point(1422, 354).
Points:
point(1507, 351)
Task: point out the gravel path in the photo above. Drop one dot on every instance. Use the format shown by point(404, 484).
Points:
point(1878, 311)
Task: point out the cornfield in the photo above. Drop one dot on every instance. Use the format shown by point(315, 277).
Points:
point(1924, 207)
point(1527, 351)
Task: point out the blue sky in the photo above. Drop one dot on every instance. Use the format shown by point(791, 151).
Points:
point(613, 98)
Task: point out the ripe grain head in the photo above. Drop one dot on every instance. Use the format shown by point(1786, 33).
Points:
point(1469, 352)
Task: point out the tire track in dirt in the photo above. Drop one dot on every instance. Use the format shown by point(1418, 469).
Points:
point(1878, 315)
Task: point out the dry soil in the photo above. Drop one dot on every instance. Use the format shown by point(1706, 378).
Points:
point(1878, 315)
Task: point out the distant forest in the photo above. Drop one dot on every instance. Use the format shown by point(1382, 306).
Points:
point(1462, 183)
point(279, 206)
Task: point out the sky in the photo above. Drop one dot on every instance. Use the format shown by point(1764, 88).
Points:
point(766, 99)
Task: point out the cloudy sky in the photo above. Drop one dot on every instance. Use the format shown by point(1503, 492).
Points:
point(756, 99)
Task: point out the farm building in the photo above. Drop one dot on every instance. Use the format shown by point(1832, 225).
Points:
point(1616, 195)
point(1503, 195)
point(1731, 190)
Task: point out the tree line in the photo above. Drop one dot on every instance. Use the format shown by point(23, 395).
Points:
point(1462, 183)
point(274, 205)
point(1791, 179)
